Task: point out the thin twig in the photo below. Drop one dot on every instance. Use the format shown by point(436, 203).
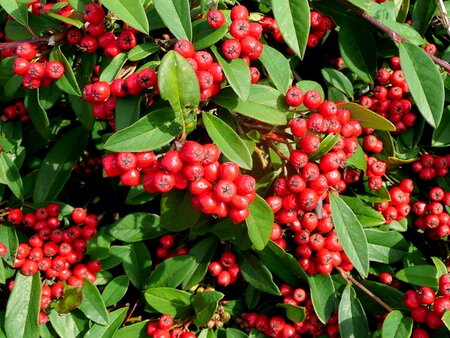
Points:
point(14, 44)
point(350, 278)
point(130, 313)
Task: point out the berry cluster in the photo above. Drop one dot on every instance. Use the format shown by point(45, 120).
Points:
point(166, 243)
point(163, 328)
point(16, 110)
point(427, 306)
point(89, 165)
point(39, 72)
point(429, 166)
point(217, 188)
point(375, 172)
point(399, 205)
point(389, 97)
point(431, 216)
point(225, 269)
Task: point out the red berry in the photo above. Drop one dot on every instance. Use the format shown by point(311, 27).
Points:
point(294, 97)
point(93, 13)
point(215, 18)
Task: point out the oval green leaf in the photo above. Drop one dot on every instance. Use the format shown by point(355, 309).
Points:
point(8, 236)
point(441, 135)
point(92, 304)
point(169, 301)
point(396, 325)
point(186, 216)
point(336, 79)
point(170, 273)
point(18, 9)
point(420, 275)
point(136, 227)
point(130, 11)
point(386, 246)
point(112, 69)
point(115, 290)
point(367, 118)
point(142, 51)
point(424, 82)
point(116, 318)
point(205, 305)
point(205, 36)
point(67, 83)
point(128, 111)
point(295, 313)
point(176, 16)
point(137, 264)
point(259, 222)
point(37, 113)
point(278, 67)
point(366, 214)
point(64, 324)
point(352, 319)
point(323, 296)
point(9, 174)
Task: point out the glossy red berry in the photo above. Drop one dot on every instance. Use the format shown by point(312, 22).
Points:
point(215, 18)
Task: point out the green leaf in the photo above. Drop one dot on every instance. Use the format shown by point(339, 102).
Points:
point(177, 81)
point(326, 145)
point(82, 110)
point(293, 20)
point(22, 308)
point(127, 111)
point(170, 273)
point(115, 290)
point(424, 81)
point(110, 72)
point(205, 305)
point(390, 295)
point(71, 299)
point(440, 267)
point(203, 252)
point(67, 83)
point(176, 16)
point(58, 164)
point(9, 174)
point(237, 73)
point(282, 264)
point(138, 330)
point(186, 216)
point(420, 275)
point(323, 296)
point(294, 313)
point(256, 273)
point(138, 195)
point(207, 333)
point(228, 141)
point(441, 135)
point(92, 304)
point(421, 14)
point(259, 222)
point(136, 227)
point(115, 320)
point(77, 23)
point(366, 214)
point(2, 273)
point(137, 264)
point(18, 9)
point(396, 325)
point(37, 114)
point(352, 319)
point(64, 324)
point(278, 67)
point(336, 79)
point(130, 11)
point(78, 4)
point(306, 85)
point(357, 47)
point(116, 254)
point(264, 103)
point(142, 51)
point(235, 333)
point(152, 131)
point(169, 301)
point(446, 319)
point(367, 118)
point(386, 246)
point(350, 233)
point(358, 160)
point(205, 36)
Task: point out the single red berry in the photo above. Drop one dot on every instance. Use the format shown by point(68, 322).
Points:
point(79, 215)
point(93, 13)
point(215, 18)
point(185, 48)
point(312, 99)
point(231, 49)
point(294, 97)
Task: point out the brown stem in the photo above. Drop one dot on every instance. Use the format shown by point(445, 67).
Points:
point(14, 44)
point(350, 278)
point(394, 36)
point(130, 313)
point(276, 150)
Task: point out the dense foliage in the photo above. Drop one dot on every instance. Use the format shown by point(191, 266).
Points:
point(209, 168)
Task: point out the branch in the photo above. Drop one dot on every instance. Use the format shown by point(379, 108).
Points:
point(394, 36)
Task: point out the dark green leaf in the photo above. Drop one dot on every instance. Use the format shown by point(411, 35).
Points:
point(67, 20)
point(282, 264)
point(170, 273)
point(176, 16)
point(143, 50)
point(352, 319)
point(278, 68)
point(358, 160)
point(177, 81)
point(138, 196)
point(323, 296)
point(326, 145)
point(295, 313)
point(205, 36)
point(396, 325)
point(37, 24)
point(350, 233)
point(130, 11)
point(110, 72)
point(264, 103)
point(153, 131)
point(115, 290)
point(71, 299)
point(441, 135)
point(357, 47)
point(237, 73)
point(22, 308)
point(228, 141)
point(9, 175)
point(127, 111)
point(186, 216)
point(78, 4)
point(169, 301)
point(18, 9)
point(115, 320)
point(92, 304)
point(205, 305)
point(252, 297)
point(203, 252)
point(440, 267)
point(420, 275)
point(82, 109)
point(259, 222)
point(116, 254)
point(421, 14)
point(367, 118)
point(293, 21)
point(390, 295)
point(424, 81)
point(366, 214)
point(336, 79)
point(386, 247)
point(136, 227)
point(67, 83)
point(138, 330)
point(58, 164)
point(64, 324)
point(137, 264)
point(37, 114)
point(256, 274)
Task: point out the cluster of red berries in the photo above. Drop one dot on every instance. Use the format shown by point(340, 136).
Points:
point(38, 8)
point(371, 142)
point(96, 37)
point(429, 166)
point(89, 165)
point(166, 243)
point(16, 110)
point(428, 306)
point(390, 97)
point(399, 205)
point(163, 328)
point(226, 270)
point(431, 216)
point(293, 296)
point(217, 189)
point(35, 73)
point(375, 172)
